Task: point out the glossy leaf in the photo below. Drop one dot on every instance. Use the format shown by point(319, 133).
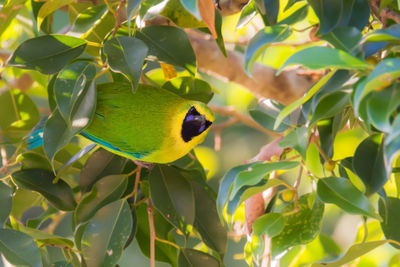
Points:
point(71, 87)
point(192, 258)
point(248, 12)
point(100, 164)
point(6, 202)
point(390, 34)
point(384, 73)
point(105, 236)
point(33, 160)
point(330, 105)
point(58, 194)
point(131, 6)
point(369, 163)
point(319, 57)
point(380, 107)
point(190, 88)
point(296, 104)
point(268, 10)
point(192, 7)
point(341, 192)
point(297, 139)
point(261, 40)
point(389, 212)
point(297, 16)
point(57, 132)
point(43, 238)
point(300, 227)
point(169, 44)
point(225, 186)
point(173, 196)
point(178, 14)
point(207, 221)
point(48, 8)
point(254, 174)
point(126, 55)
point(328, 12)
point(353, 253)
point(344, 38)
point(164, 252)
point(104, 191)
point(19, 248)
point(47, 54)
point(270, 224)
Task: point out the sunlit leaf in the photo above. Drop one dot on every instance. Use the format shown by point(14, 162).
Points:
point(270, 224)
point(341, 192)
point(390, 215)
point(190, 88)
point(48, 8)
point(190, 258)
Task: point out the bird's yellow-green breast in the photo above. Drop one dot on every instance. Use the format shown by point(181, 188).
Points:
point(152, 125)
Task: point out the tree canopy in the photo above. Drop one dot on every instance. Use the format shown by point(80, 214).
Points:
point(300, 167)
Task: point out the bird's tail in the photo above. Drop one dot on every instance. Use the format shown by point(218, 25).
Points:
point(35, 137)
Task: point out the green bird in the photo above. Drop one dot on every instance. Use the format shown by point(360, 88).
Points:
point(151, 125)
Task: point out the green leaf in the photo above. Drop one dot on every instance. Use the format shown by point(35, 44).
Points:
point(248, 12)
point(105, 236)
point(327, 130)
point(353, 253)
point(178, 14)
point(270, 224)
point(47, 54)
point(344, 38)
point(173, 196)
point(389, 211)
point(57, 132)
point(207, 222)
point(319, 57)
point(254, 174)
point(164, 252)
point(296, 104)
point(58, 194)
point(169, 44)
point(269, 10)
point(297, 139)
point(369, 163)
point(225, 187)
point(384, 73)
point(341, 192)
point(195, 258)
point(380, 107)
point(8, 12)
point(48, 8)
point(191, 6)
point(328, 13)
point(33, 160)
point(390, 34)
point(71, 87)
point(261, 40)
point(131, 6)
point(43, 238)
point(6, 202)
point(330, 105)
point(297, 16)
point(19, 248)
point(190, 88)
point(100, 164)
point(104, 191)
point(22, 114)
point(126, 55)
point(301, 227)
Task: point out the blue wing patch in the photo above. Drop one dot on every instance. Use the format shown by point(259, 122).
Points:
point(137, 155)
point(35, 139)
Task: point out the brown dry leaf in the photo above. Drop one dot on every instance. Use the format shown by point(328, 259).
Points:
point(207, 13)
point(169, 71)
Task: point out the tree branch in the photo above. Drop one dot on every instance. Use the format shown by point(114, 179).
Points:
point(285, 88)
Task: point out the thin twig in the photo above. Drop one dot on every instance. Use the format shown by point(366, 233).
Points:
point(117, 14)
point(167, 242)
point(152, 234)
point(230, 111)
point(137, 180)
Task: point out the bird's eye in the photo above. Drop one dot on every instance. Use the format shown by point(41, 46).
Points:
point(194, 124)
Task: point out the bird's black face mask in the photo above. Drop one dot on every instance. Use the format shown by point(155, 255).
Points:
point(193, 124)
